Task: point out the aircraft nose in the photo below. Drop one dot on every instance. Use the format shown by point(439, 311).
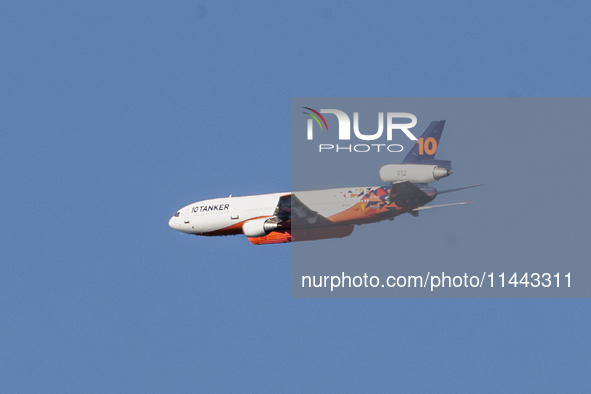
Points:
point(174, 223)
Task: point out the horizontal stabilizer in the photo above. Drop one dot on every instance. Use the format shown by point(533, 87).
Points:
point(455, 190)
point(444, 205)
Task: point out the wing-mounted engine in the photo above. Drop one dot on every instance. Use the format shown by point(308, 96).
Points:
point(268, 230)
point(260, 227)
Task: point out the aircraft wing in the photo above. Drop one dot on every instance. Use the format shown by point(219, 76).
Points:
point(415, 212)
point(459, 188)
point(407, 194)
point(291, 210)
point(442, 205)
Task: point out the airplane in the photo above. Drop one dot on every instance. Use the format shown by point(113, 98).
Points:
point(324, 214)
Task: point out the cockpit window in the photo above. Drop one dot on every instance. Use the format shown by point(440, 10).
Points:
point(177, 214)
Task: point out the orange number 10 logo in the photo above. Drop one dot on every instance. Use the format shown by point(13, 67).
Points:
point(428, 146)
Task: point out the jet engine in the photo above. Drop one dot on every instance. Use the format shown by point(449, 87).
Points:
point(415, 173)
point(259, 227)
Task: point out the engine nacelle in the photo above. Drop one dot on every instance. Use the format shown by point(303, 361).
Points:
point(415, 173)
point(258, 227)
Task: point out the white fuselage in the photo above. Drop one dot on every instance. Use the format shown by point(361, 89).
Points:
point(224, 216)
point(216, 214)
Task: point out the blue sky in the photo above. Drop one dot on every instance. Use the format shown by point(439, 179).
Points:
point(115, 115)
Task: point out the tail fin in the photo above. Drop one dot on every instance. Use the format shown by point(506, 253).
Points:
point(424, 150)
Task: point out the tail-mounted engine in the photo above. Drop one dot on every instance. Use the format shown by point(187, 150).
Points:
point(415, 173)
